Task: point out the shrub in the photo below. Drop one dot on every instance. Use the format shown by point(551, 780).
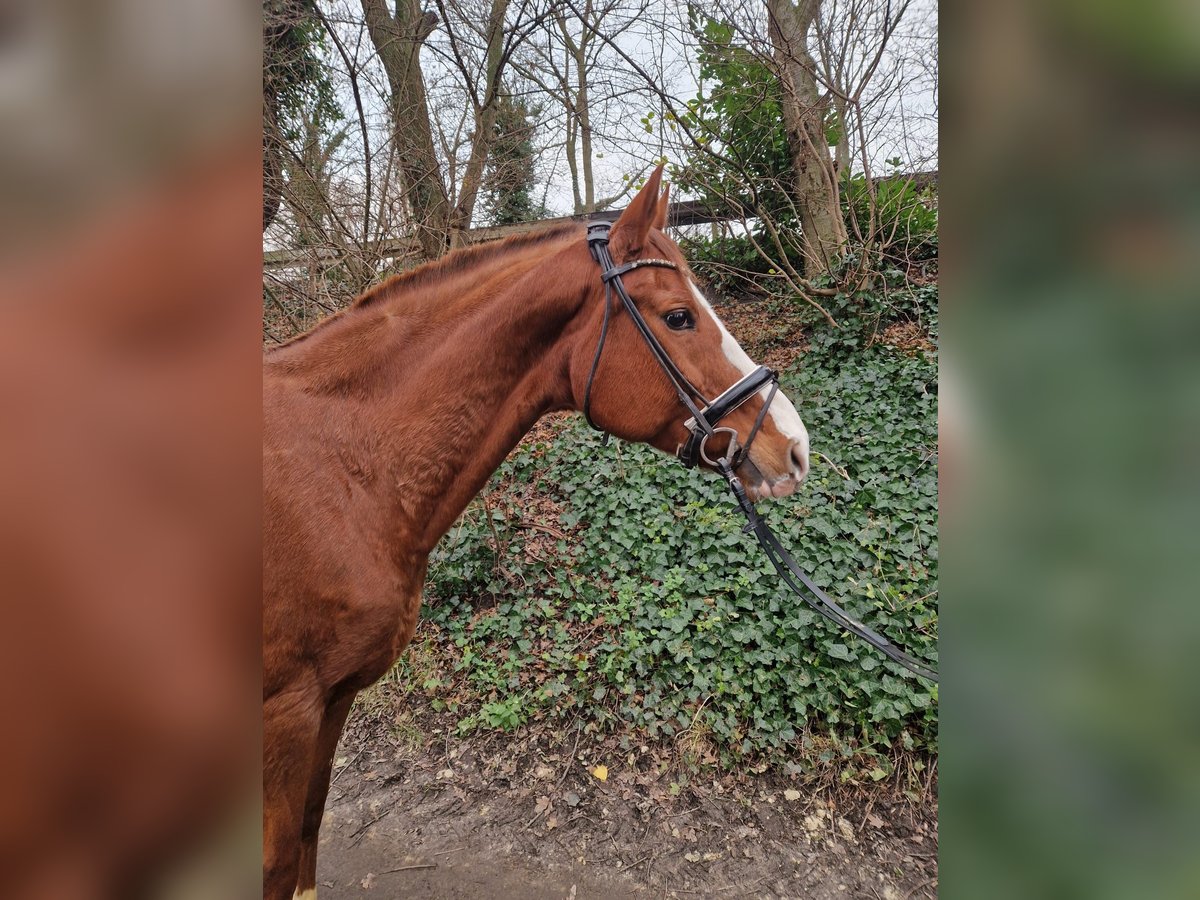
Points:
point(906, 216)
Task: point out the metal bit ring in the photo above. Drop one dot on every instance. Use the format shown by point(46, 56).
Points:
point(731, 453)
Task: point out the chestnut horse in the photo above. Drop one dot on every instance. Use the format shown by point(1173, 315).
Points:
point(381, 424)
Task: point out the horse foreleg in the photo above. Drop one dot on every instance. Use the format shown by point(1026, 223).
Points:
point(291, 726)
point(318, 790)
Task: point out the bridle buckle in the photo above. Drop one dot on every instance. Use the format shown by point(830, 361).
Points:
point(732, 453)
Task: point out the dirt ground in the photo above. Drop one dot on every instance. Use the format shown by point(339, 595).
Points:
point(415, 811)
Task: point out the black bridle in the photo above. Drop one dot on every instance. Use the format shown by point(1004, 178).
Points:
point(706, 414)
point(703, 425)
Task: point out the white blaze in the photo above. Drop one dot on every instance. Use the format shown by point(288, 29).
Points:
point(310, 894)
point(783, 414)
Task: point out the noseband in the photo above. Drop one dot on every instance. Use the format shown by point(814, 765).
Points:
point(705, 414)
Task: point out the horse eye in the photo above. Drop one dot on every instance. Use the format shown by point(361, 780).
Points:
point(679, 319)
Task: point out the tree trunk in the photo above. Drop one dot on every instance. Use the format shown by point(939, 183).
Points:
point(842, 149)
point(308, 193)
point(823, 231)
point(398, 40)
point(572, 163)
point(583, 116)
point(272, 161)
point(485, 119)
point(576, 111)
point(583, 113)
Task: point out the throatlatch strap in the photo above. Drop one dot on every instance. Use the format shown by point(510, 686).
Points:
point(587, 396)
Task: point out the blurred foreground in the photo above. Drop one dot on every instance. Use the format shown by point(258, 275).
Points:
point(129, 361)
point(1070, 433)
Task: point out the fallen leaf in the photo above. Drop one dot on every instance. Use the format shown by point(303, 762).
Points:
point(601, 773)
point(791, 794)
point(692, 857)
point(572, 798)
point(368, 881)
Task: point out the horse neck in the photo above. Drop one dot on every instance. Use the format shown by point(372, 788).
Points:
point(429, 389)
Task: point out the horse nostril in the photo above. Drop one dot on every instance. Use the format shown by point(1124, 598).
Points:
point(800, 459)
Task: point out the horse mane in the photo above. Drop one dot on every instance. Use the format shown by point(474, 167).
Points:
point(460, 260)
point(453, 263)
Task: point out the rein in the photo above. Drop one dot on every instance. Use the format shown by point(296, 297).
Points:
point(703, 425)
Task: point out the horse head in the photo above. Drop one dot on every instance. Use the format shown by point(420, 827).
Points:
point(629, 393)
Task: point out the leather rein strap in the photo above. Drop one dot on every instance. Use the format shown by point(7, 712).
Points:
point(703, 425)
point(791, 573)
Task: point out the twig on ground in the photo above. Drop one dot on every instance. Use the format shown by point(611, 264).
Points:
point(347, 765)
point(571, 761)
point(835, 466)
point(739, 889)
point(713, 803)
point(447, 852)
point(862, 823)
point(553, 532)
point(342, 799)
point(407, 868)
point(357, 835)
point(924, 884)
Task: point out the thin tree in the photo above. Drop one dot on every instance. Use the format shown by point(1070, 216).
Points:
point(398, 38)
point(571, 62)
point(805, 115)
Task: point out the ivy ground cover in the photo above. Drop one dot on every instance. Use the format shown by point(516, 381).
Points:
point(611, 586)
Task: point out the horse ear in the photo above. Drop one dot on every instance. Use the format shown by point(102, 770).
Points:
point(660, 219)
point(628, 234)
